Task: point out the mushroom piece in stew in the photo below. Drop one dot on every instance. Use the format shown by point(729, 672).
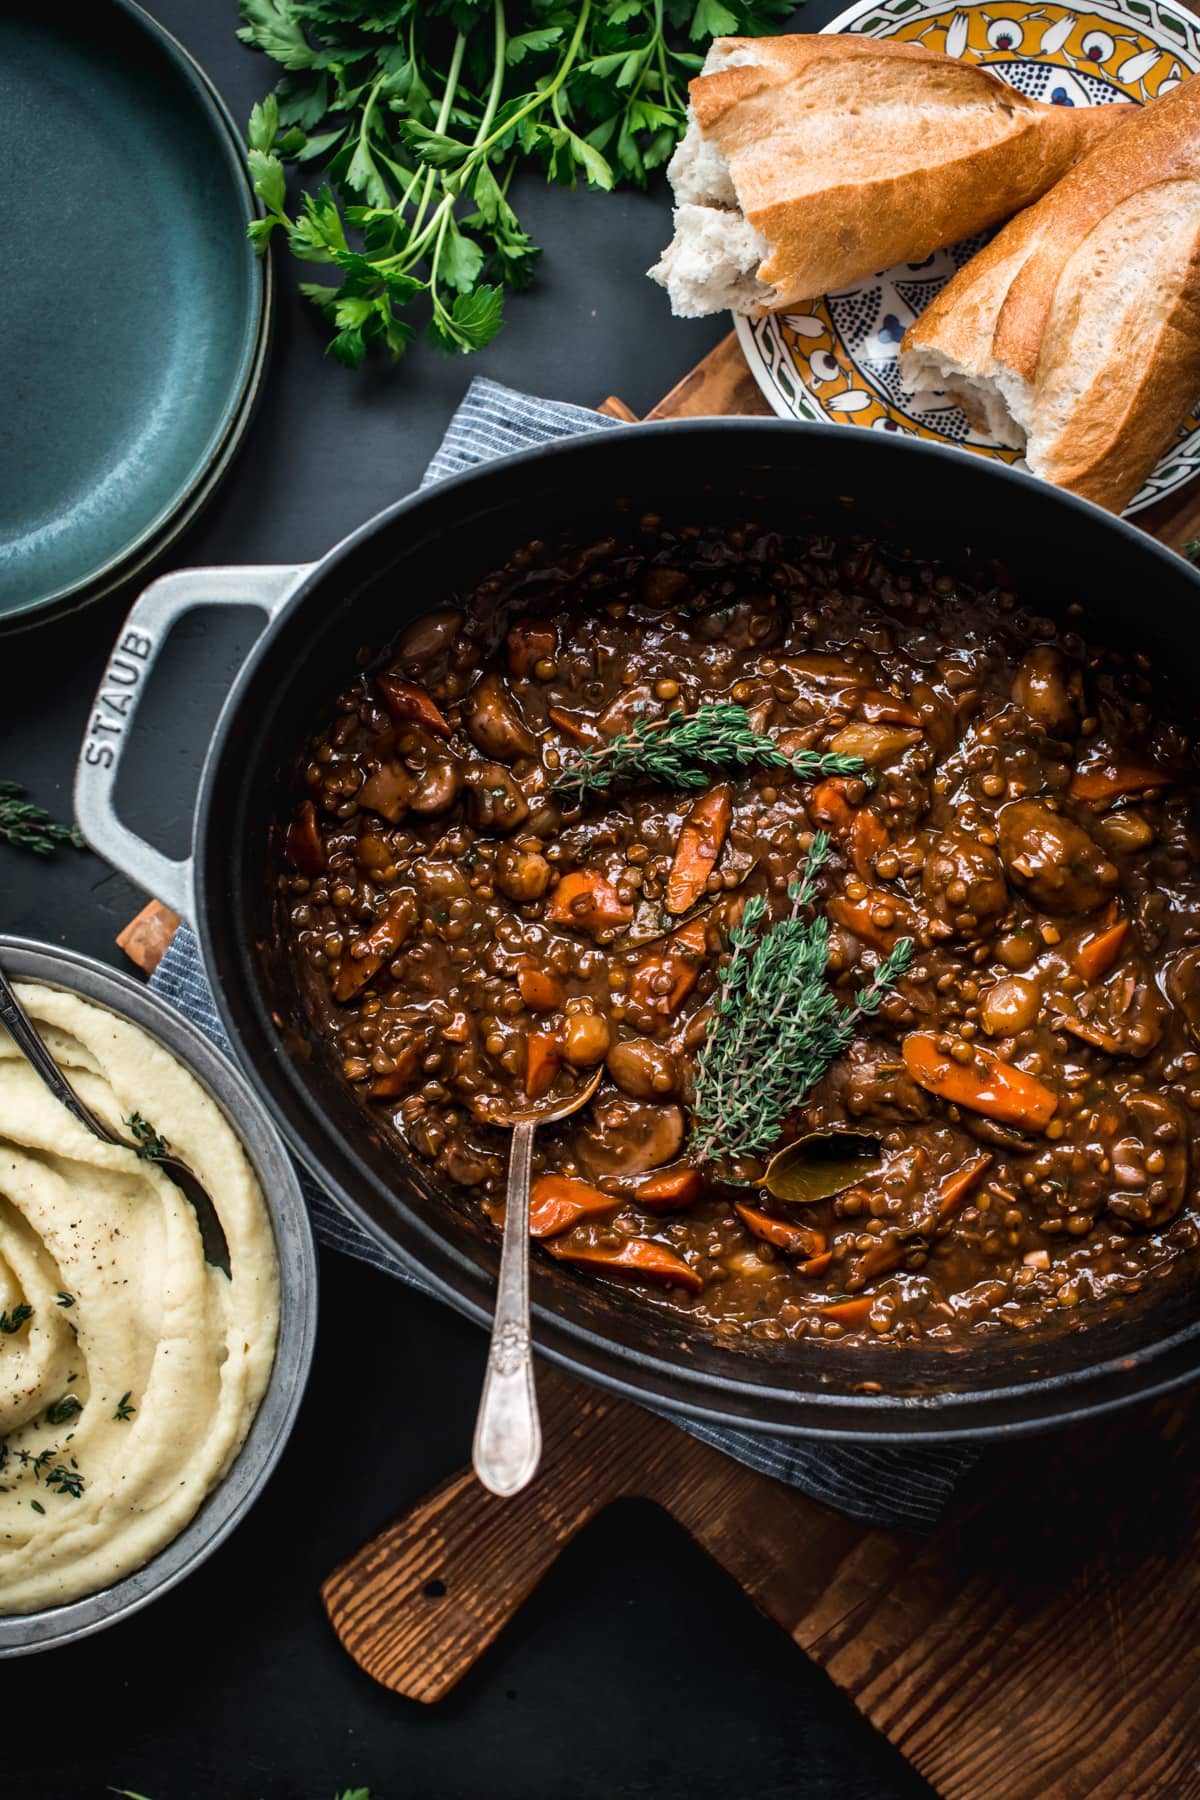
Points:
point(524, 845)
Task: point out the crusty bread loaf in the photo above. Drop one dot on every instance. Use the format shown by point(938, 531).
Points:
point(1076, 333)
point(810, 162)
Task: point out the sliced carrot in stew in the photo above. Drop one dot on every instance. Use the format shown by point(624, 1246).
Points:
point(816, 1265)
point(556, 1202)
point(587, 901)
point(828, 806)
point(405, 700)
point(868, 836)
point(302, 846)
point(984, 1084)
point(671, 1189)
point(865, 833)
point(1108, 781)
point(639, 1257)
point(692, 937)
point(580, 726)
point(860, 917)
point(543, 1059)
point(849, 1312)
point(368, 953)
point(797, 1240)
point(1097, 954)
point(529, 641)
point(540, 990)
point(958, 1184)
point(885, 708)
point(700, 840)
point(879, 1260)
point(662, 981)
point(398, 1080)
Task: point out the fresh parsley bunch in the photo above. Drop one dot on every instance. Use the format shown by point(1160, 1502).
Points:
point(420, 111)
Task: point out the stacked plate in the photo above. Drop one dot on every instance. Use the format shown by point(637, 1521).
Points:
point(134, 312)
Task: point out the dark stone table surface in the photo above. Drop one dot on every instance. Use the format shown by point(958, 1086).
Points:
point(637, 1669)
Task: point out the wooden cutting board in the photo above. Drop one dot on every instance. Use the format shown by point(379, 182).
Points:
point(1042, 1644)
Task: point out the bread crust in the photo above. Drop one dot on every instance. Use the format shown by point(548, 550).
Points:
point(977, 152)
point(1162, 141)
point(1098, 414)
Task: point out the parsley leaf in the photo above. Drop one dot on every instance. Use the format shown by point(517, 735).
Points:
point(428, 110)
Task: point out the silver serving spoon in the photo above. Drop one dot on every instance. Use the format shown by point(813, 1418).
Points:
point(26, 1037)
point(508, 1432)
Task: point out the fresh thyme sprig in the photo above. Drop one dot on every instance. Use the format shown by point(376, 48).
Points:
point(776, 1025)
point(682, 750)
point(30, 827)
point(150, 1146)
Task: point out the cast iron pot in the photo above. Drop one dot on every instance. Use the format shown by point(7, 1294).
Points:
point(934, 501)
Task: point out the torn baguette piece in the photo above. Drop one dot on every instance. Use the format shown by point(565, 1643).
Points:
point(1075, 334)
point(810, 162)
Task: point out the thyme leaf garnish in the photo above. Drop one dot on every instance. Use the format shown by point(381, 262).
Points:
point(682, 750)
point(150, 1146)
point(776, 1025)
point(124, 1411)
point(59, 1412)
point(66, 1481)
point(13, 1321)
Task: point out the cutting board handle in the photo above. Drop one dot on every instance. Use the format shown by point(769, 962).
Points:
point(419, 1604)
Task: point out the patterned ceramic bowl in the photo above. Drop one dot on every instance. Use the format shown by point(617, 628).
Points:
point(837, 358)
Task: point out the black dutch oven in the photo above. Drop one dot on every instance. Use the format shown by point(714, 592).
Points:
point(934, 501)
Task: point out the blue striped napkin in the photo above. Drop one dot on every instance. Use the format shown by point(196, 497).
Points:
point(882, 1485)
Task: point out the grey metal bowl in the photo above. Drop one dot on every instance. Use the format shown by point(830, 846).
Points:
point(23, 1633)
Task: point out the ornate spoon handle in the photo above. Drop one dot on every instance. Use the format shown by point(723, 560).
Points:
point(508, 1433)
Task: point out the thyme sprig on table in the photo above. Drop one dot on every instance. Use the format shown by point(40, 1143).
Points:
point(30, 827)
point(682, 750)
point(776, 1024)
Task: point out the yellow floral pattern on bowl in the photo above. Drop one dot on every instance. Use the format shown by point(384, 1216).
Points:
point(837, 358)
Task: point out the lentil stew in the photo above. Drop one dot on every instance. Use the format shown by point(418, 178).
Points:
point(469, 933)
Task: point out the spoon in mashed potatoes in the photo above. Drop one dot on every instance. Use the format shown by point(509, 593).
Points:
point(131, 1368)
point(24, 1034)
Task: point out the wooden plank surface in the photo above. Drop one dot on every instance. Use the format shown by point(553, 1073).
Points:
point(1044, 1644)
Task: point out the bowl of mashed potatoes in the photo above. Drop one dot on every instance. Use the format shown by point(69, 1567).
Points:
point(145, 1395)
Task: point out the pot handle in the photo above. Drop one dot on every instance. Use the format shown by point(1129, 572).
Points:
point(142, 636)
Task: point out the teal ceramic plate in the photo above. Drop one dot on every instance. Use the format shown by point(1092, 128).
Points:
point(133, 310)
